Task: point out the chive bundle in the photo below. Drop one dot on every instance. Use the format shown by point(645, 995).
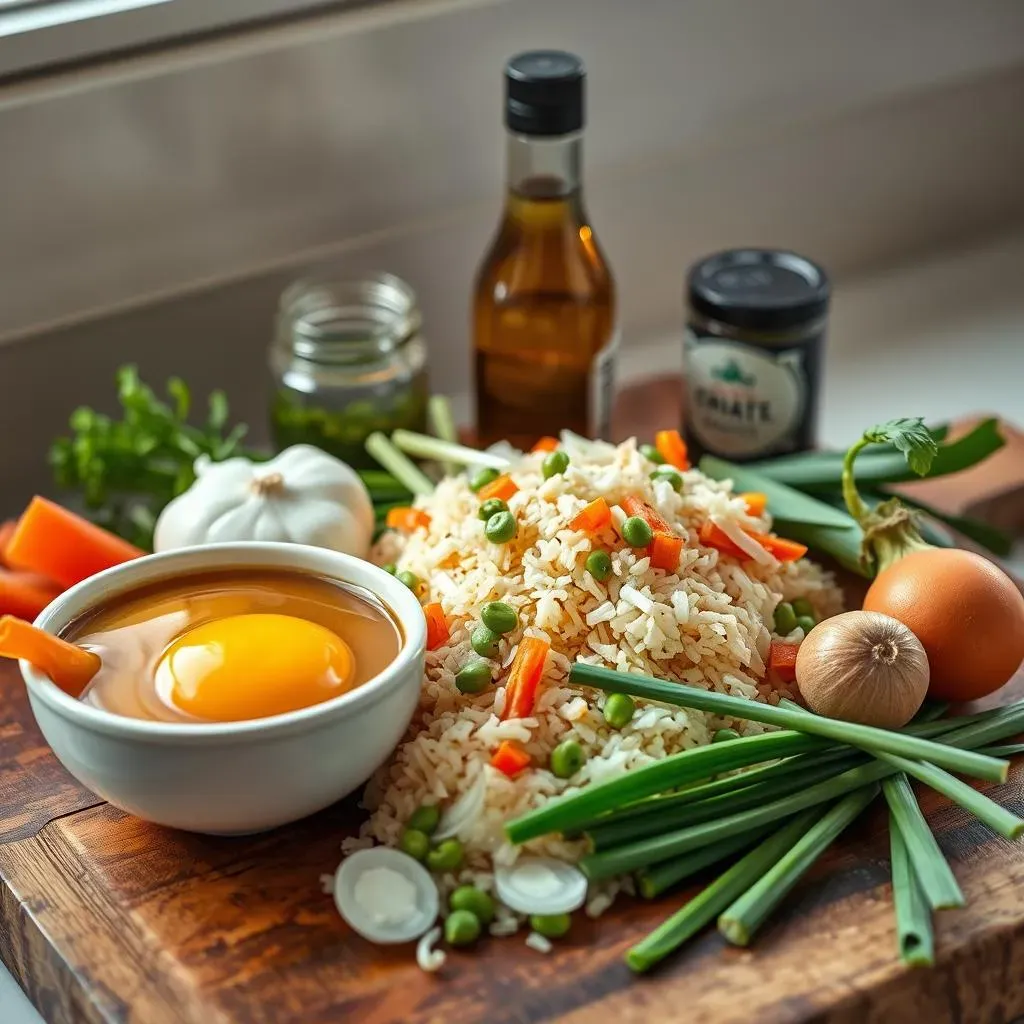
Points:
point(672, 819)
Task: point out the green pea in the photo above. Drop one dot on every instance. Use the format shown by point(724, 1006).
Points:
point(599, 565)
point(554, 463)
point(390, 567)
point(475, 901)
point(410, 579)
point(724, 735)
point(551, 926)
point(482, 477)
point(484, 641)
point(498, 616)
point(415, 843)
point(473, 677)
point(636, 533)
point(785, 619)
point(446, 856)
point(425, 818)
point(491, 507)
point(804, 607)
point(461, 928)
point(651, 454)
point(501, 528)
point(618, 710)
point(567, 759)
point(670, 476)
point(806, 623)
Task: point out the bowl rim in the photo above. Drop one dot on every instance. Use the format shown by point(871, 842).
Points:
point(123, 578)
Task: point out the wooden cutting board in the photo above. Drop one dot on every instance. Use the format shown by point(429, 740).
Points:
point(106, 918)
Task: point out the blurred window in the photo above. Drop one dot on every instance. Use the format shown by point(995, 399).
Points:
point(38, 35)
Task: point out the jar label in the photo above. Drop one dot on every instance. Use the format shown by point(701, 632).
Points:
point(743, 401)
point(602, 388)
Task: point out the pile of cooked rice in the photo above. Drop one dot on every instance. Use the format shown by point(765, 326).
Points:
point(707, 624)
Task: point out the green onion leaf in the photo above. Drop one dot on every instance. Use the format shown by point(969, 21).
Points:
point(913, 920)
point(739, 922)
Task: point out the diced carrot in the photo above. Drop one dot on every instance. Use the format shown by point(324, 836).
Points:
point(24, 594)
point(782, 660)
point(633, 506)
point(63, 547)
point(592, 517)
point(510, 758)
point(546, 444)
point(502, 487)
point(784, 550)
point(407, 519)
point(70, 667)
point(437, 625)
point(6, 533)
point(524, 677)
point(713, 536)
point(672, 448)
point(755, 501)
point(665, 551)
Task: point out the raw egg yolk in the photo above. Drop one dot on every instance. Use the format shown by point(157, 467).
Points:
point(251, 666)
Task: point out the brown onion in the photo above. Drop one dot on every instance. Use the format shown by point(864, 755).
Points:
point(863, 667)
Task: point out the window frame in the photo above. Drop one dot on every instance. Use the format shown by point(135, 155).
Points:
point(41, 35)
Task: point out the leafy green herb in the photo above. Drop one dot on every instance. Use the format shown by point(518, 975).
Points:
point(127, 469)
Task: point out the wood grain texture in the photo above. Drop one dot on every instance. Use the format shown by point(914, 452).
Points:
point(104, 918)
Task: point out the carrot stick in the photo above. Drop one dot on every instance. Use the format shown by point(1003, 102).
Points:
point(633, 506)
point(593, 517)
point(66, 548)
point(782, 660)
point(524, 677)
point(665, 551)
point(24, 594)
point(784, 550)
point(546, 444)
point(672, 448)
point(6, 533)
point(70, 667)
point(437, 625)
point(755, 501)
point(510, 758)
point(713, 536)
point(407, 519)
point(502, 487)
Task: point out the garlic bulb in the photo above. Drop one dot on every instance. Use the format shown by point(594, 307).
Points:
point(863, 667)
point(302, 496)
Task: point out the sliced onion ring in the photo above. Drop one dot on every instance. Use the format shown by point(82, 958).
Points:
point(465, 811)
point(541, 885)
point(415, 923)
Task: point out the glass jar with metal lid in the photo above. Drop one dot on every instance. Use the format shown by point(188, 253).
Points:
point(347, 359)
point(753, 354)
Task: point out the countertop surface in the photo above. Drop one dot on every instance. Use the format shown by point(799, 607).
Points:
point(941, 339)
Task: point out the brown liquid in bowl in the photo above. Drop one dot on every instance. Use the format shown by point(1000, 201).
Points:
point(132, 634)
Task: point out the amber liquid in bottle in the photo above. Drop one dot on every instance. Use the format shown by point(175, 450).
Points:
point(544, 316)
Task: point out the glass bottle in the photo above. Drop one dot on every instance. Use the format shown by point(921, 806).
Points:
point(347, 359)
point(544, 309)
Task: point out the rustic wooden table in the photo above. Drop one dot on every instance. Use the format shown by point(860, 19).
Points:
point(105, 918)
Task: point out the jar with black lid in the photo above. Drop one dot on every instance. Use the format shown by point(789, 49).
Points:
point(753, 354)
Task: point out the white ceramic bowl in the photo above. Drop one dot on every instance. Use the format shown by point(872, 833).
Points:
point(233, 777)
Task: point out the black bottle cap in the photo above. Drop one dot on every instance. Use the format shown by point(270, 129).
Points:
point(760, 289)
point(544, 93)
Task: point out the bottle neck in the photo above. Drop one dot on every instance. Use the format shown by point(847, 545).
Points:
point(540, 167)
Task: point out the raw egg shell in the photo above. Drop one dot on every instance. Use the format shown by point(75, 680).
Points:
point(251, 666)
point(966, 612)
